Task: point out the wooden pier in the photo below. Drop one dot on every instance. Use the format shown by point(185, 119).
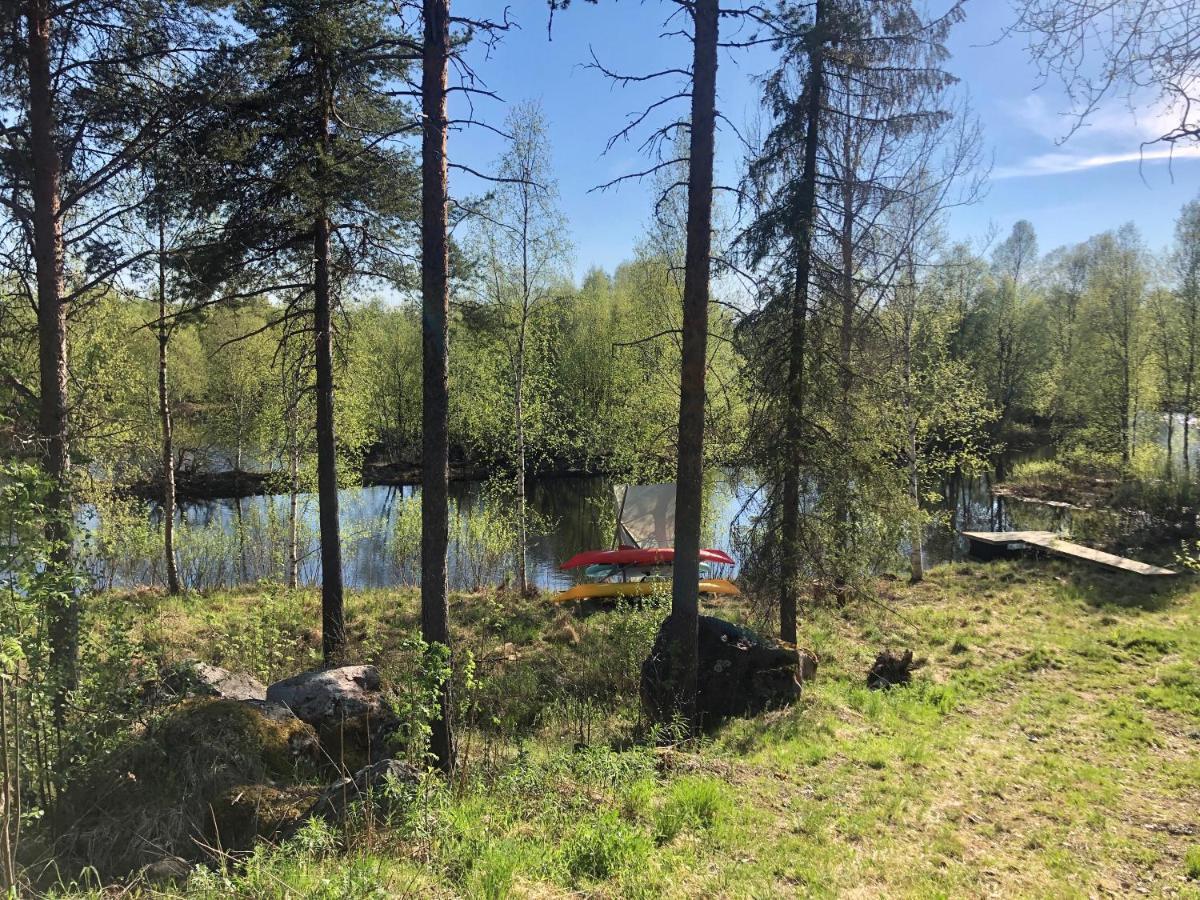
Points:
point(993, 544)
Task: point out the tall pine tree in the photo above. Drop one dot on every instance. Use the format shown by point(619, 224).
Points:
point(302, 165)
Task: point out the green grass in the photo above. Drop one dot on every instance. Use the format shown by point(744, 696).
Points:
point(1048, 746)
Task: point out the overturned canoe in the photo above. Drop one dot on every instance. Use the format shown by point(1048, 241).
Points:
point(637, 556)
point(613, 589)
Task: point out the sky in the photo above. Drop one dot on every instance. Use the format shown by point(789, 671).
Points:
point(1069, 187)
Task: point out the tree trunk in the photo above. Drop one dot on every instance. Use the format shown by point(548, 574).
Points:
point(805, 212)
point(435, 306)
point(63, 610)
point(1170, 437)
point(519, 417)
point(1188, 384)
point(519, 391)
point(843, 514)
point(164, 415)
point(684, 621)
point(1187, 423)
point(293, 559)
point(333, 626)
point(916, 562)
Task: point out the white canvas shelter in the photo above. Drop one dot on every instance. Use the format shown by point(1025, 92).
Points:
point(645, 515)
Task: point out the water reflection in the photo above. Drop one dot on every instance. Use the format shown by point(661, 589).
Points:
point(225, 542)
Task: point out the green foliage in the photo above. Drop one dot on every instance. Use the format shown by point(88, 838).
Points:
point(415, 680)
point(601, 847)
point(692, 803)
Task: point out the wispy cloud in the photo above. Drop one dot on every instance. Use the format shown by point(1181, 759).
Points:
point(1113, 135)
point(1061, 163)
point(1114, 123)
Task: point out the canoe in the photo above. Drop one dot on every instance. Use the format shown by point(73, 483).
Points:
point(636, 556)
point(608, 570)
point(613, 589)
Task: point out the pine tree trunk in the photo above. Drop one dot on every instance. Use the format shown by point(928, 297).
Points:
point(333, 627)
point(63, 611)
point(519, 423)
point(164, 415)
point(683, 624)
point(293, 559)
point(435, 305)
point(845, 349)
point(802, 239)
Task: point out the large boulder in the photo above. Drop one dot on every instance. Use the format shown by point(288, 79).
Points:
point(211, 773)
point(192, 678)
point(738, 674)
point(348, 709)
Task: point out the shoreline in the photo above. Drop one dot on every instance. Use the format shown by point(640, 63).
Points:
point(193, 487)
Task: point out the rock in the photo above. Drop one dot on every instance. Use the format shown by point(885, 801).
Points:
point(347, 708)
point(171, 791)
point(195, 678)
point(739, 674)
point(890, 669)
point(368, 781)
point(324, 694)
point(247, 813)
point(167, 871)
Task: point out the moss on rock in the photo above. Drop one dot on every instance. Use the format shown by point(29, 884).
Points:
point(161, 790)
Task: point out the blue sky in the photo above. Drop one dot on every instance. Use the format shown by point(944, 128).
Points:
point(1092, 182)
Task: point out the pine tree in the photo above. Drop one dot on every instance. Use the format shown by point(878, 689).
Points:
point(302, 165)
point(89, 88)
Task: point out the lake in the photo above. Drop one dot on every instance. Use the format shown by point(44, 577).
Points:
point(222, 543)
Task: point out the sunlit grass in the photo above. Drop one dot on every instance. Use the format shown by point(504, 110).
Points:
point(1048, 746)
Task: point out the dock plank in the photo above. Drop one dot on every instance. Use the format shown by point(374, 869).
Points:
point(1052, 543)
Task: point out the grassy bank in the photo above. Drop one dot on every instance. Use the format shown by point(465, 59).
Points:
point(1049, 746)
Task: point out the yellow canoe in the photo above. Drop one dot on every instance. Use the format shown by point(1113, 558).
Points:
point(602, 589)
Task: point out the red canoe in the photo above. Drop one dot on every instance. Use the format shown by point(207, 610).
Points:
point(634, 556)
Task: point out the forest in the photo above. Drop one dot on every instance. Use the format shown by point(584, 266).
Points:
point(303, 410)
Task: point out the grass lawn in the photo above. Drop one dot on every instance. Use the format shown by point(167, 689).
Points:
point(1049, 746)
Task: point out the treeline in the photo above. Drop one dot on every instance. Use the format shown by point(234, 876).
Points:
point(1095, 341)
point(597, 392)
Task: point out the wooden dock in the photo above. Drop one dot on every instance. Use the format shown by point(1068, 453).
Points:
point(992, 544)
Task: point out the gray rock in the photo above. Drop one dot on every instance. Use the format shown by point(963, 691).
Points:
point(368, 782)
point(348, 709)
point(195, 678)
point(276, 712)
point(167, 871)
point(324, 695)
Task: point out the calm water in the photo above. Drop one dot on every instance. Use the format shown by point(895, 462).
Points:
point(226, 542)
